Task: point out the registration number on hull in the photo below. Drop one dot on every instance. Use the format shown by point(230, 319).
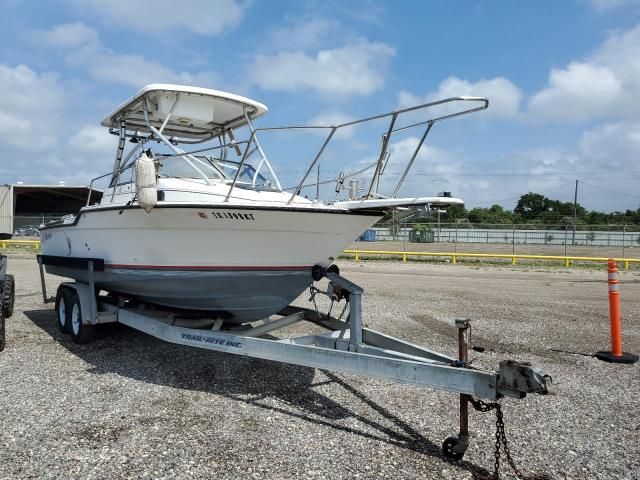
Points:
point(224, 215)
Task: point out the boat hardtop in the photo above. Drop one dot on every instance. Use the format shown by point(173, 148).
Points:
point(191, 112)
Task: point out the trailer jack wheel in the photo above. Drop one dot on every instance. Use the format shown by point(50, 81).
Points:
point(453, 448)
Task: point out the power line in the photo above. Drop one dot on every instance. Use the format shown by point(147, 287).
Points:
point(611, 191)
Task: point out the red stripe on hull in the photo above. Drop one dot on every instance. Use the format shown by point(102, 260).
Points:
point(204, 267)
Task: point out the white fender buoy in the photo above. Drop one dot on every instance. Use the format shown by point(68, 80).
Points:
point(146, 187)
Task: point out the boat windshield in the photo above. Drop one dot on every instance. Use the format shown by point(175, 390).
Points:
point(247, 173)
point(172, 167)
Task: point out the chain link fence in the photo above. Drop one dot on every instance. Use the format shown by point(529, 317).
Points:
point(525, 239)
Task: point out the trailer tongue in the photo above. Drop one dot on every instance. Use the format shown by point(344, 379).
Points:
point(346, 347)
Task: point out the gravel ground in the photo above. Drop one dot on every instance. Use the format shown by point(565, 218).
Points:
point(131, 406)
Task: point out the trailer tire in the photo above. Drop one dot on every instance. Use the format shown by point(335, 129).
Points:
point(2, 333)
point(81, 333)
point(8, 296)
point(63, 308)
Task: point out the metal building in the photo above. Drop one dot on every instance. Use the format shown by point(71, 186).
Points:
point(22, 205)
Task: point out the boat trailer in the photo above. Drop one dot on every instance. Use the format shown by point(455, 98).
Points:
point(346, 347)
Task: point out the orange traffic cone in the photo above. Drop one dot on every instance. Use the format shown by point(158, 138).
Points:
point(616, 355)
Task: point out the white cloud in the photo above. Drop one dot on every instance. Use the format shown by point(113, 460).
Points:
point(437, 169)
point(29, 106)
point(93, 140)
point(504, 96)
point(85, 49)
point(333, 119)
point(604, 5)
point(137, 71)
point(204, 17)
point(605, 84)
point(621, 53)
point(540, 166)
point(430, 161)
point(320, 54)
point(70, 35)
point(15, 131)
point(32, 120)
point(612, 146)
point(25, 90)
point(357, 69)
point(303, 33)
point(580, 91)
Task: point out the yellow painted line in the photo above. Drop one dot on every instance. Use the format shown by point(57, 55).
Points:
point(455, 255)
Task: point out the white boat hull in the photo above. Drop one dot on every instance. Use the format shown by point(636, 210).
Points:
point(239, 263)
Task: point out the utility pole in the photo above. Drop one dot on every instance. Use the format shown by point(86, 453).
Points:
point(575, 214)
point(318, 184)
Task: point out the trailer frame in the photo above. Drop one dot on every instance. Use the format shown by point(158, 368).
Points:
point(347, 346)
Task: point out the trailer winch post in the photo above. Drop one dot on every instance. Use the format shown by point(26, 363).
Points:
point(355, 304)
point(355, 321)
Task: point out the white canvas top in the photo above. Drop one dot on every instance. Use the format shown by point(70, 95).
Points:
point(198, 114)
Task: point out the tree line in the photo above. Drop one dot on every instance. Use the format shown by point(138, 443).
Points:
point(535, 208)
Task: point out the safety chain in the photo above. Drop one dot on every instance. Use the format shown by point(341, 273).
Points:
point(312, 298)
point(344, 309)
point(501, 443)
point(312, 291)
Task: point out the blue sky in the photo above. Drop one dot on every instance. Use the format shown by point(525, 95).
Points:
point(563, 79)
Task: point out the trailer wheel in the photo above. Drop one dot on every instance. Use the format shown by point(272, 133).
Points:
point(63, 308)
point(2, 337)
point(8, 296)
point(81, 333)
point(449, 450)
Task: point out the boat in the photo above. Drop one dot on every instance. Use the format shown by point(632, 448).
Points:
point(196, 219)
